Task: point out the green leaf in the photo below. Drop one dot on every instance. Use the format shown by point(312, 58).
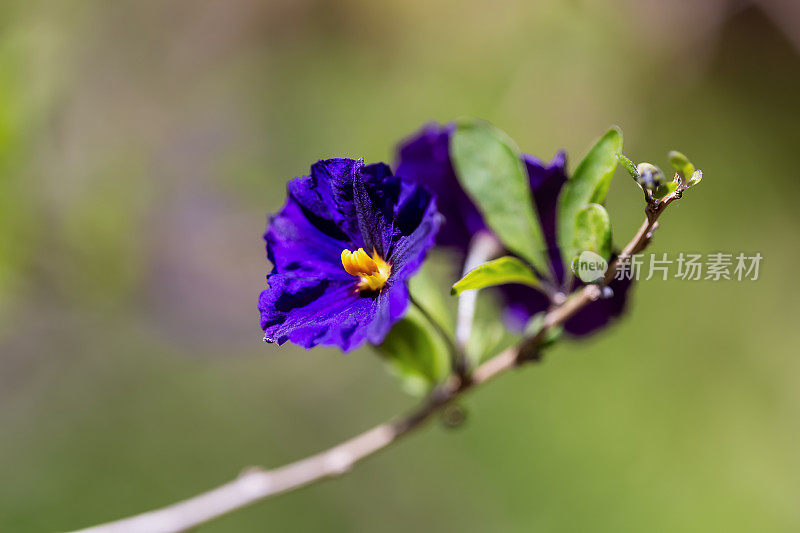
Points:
point(681, 164)
point(489, 168)
point(628, 165)
point(588, 184)
point(496, 272)
point(593, 231)
point(697, 177)
point(415, 353)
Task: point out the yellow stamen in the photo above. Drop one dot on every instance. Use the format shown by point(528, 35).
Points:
point(373, 271)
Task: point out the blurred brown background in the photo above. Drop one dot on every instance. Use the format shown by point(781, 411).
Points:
point(143, 143)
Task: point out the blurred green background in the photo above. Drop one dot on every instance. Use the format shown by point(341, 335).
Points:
point(142, 144)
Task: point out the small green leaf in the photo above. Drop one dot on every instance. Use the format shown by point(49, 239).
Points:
point(696, 178)
point(588, 184)
point(628, 165)
point(593, 231)
point(489, 168)
point(497, 272)
point(415, 353)
point(681, 164)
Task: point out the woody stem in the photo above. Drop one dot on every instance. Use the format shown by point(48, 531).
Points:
point(257, 484)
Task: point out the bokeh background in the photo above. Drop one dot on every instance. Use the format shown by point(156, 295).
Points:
point(142, 144)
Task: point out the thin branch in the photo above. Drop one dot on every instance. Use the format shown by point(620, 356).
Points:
point(256, 484)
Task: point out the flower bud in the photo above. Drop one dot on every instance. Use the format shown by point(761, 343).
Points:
point(650, 176)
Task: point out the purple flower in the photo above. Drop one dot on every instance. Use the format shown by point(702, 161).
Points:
point(343, 248)
point(424, 158)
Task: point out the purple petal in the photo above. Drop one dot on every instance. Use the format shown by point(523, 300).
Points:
point(389, 307)
point(296, 244)
point(599, 313)
point(409, 251)
point(374, 225)
point(546, 180)
point(313, 311)
point(522, 303)
point(327, 197)
point(424, 158)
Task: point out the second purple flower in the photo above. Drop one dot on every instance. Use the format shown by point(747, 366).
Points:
point(424, 158)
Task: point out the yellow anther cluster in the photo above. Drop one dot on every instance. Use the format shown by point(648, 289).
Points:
point(373, 271)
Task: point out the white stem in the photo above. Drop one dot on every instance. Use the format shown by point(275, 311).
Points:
point(483, 247)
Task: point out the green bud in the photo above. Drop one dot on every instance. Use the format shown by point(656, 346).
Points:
point(681, 164)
